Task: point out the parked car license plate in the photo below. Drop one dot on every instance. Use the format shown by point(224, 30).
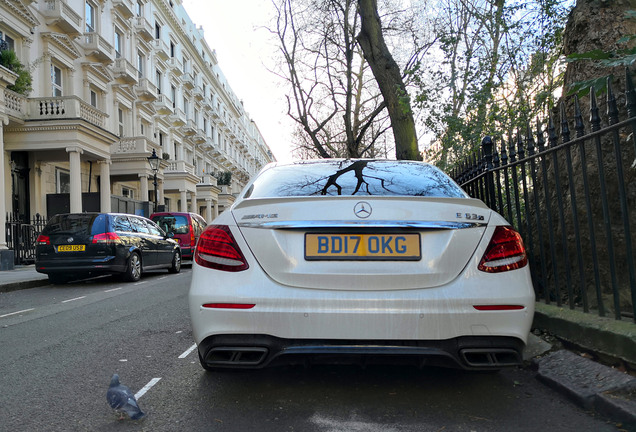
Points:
point(71, 248)
point(402, 247)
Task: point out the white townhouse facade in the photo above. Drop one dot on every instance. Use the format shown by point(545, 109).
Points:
point(113, 81)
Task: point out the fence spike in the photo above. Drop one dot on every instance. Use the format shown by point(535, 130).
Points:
point(540, 139)
point(504, 153)
point(565, 127)
point(612, 108)
point(486, 146)
point(530, 140)
point(579, 126)
point(553, 139)
point(595, 118)
point(520, 148)
point(630, 94)
point(511, 149)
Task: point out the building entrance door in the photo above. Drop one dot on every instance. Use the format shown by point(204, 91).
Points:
point(21, 207)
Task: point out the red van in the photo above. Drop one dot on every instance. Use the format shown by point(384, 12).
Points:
point(186, 227)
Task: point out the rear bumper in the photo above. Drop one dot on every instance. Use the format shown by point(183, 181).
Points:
point(258, 351)
point(105, 265)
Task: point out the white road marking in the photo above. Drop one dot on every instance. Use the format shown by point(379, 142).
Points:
point(73, 299)
point(139, 283)
point(114, 289)
point(188, 351)
point(162, 277)
point(16, 313)
point(147, 387)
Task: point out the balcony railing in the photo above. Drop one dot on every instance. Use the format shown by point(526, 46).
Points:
point(139, 144)
point(175, 66)
point(64, 108)
point(163, 105)
point(15, 103)
point(161, 49)
point(96, 46)
point(178, 118)
point(179, 167)
point(189, 128)
point(143, 28)
point(146, 90)
point(125, 7)
point(125, 70)
point(57, 12)
point(188, 80)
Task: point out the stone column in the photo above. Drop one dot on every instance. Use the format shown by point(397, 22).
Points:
point(193, 202)
point(5, 192)
point(184, 201)
point(104, 186)
point(208, 210)
point(76, 178)
point(216, 209)
point(143, 180)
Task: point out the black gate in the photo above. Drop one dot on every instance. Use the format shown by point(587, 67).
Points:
point(22, 235)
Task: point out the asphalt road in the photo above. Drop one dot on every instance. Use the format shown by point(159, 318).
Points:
point(59, 346)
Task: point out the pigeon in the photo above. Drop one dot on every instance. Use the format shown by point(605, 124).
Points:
point(122, 400)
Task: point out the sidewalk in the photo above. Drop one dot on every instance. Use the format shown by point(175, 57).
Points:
point(21, 277)
point(589, 384)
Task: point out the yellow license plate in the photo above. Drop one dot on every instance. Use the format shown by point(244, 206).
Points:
point(362, 247)
point(71, 248)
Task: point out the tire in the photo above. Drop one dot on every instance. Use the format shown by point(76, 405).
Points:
point(57, 279)
point(176, 263)
point(133, 269)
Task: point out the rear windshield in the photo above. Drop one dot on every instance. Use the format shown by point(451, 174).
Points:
point(76, 224)
point(361, 177)
point(177, 224)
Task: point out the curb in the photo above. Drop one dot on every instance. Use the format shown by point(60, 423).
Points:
point(15, 286)
point(591, 385)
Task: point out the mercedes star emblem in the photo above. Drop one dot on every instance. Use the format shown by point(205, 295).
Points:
point(362, 210)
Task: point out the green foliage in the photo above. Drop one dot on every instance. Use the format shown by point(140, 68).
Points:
point(23, 83)
point(224, 178)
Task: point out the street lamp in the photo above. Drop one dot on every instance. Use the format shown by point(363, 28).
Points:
point(153, 160)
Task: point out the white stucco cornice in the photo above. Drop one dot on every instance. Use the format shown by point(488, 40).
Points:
point(63, 42)
point(21, 11)
point(99, 70)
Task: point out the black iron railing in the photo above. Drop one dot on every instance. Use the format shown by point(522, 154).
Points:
point(21, 236)
point(573, 199)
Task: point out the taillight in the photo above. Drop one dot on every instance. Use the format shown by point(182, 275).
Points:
point(191, 236)
point(43, 240)
point(218, 250)
point(505, 252)
point(108, 237)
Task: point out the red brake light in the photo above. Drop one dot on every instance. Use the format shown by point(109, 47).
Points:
point(505, 252)
point(109, 237)
point(43, 240)
point(191, 235)
point(217, 249)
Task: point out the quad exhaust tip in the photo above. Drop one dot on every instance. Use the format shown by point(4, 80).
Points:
point(479, 357)
point(246, 356)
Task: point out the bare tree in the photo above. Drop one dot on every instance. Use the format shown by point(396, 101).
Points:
point(333, 98)
point(389, 77)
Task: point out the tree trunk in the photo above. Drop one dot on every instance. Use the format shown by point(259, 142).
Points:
point(387, 74)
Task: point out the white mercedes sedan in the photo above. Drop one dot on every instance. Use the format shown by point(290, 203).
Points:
point(359, 261)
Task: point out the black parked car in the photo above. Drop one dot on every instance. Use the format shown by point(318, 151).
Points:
point(84, 244)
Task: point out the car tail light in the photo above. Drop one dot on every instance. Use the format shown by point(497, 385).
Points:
point(108, 237)
point(505, 252)
point(43, 240)
point(218, 250)
point(191, 235)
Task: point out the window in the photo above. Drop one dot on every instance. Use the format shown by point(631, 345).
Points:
point(172, 49)
point(139, 225)
point(139, 9)
point(157, 30)
point(6, 42)
point(118, 44)
point(127, 192)
point(173, 93)
point(141, 60)
point(93, 99)
point(160, 139)
point(90, 18)
point(62, 180)
point(122, 224)
point(158, 78)
point(120, 119)
point(186, 106)
point(56, 81)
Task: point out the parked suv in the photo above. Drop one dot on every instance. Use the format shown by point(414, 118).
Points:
point(186, 227)
point(85, 244)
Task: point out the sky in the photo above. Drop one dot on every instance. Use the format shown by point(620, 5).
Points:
point(234, 28)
